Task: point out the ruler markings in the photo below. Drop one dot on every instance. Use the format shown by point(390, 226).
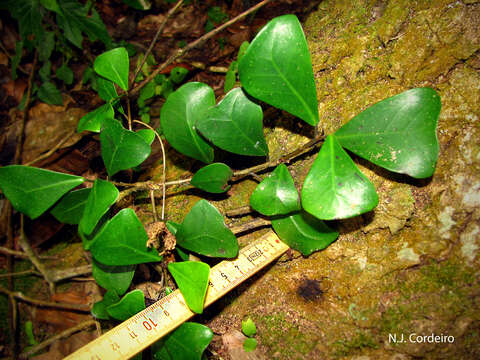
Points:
point(146, 327)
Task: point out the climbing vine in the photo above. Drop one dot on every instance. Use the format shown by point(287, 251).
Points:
point(398, 134)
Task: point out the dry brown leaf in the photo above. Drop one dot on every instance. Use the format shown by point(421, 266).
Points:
point(3, 59)
point(62, 348)
point(15, 88)
point(47, 126)
point(233, 345)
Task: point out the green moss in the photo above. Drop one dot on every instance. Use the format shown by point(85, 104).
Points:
point(395, 320)
point(275, 331)
point(448, 283)
point(448, 276)
point(361, 341)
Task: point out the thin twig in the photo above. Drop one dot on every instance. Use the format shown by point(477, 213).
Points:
point(21, 273)
point(66, 306)
point(155, 38)
point(19, 67)
point(33, 257)
point(14, 316)
point(84, 279)
point(256, 177)
point(21, 254)
point(10, 241)
point(124, 193)
point(237, 175)
point(59, 275)
point(286, 159)
point(194, 44)
point(164, 159)
point(178, 182)
point(240, 211)
point(62, 335)
point(18, 150)
point(12, 304)
point(98, 327)
point(129, 114)
point(254, 224)
point(8, 251)
point(52, 150)
point(154, 207)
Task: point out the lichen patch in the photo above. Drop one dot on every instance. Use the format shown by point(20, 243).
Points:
point(469, 243)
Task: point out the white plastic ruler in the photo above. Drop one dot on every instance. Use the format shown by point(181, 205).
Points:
point(156, 321)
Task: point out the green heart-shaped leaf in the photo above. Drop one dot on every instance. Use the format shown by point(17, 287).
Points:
point(250, 344)
point(99, 309)
point(303, 232)
point(49, 94)
point(230, 77)
point(132, 303)
point(192, 280)
point(276, 194)
point(122, 241)
point(204, 232)
point(398, 133)
point(32, 190)
point(147, 134)
point(277, 69)
point(121, 148)
point(213, 178)
point(113, 65)
point(188, 342)
point(69, 210)
point(113, 278)
point(106, 89)
point(65, 73)
point(177, 74)
point(88, 240)
point(235, 125)
point(248, 327)
point(184, 256)
point(93, 120)
point(334, 187)
point(103, 195)
point(172, 226)
point(178, 117)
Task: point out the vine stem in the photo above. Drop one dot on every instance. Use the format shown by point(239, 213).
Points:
point(237, 175)
point(286, 159)
point(241, 211)
point(196, 43)
point(164, 158)
point(18, 150)
point(250, 225)
point(155, 38)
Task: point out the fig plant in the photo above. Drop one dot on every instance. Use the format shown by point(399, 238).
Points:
point(398, 134)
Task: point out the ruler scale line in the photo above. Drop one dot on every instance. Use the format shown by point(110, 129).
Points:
point(119, 343)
